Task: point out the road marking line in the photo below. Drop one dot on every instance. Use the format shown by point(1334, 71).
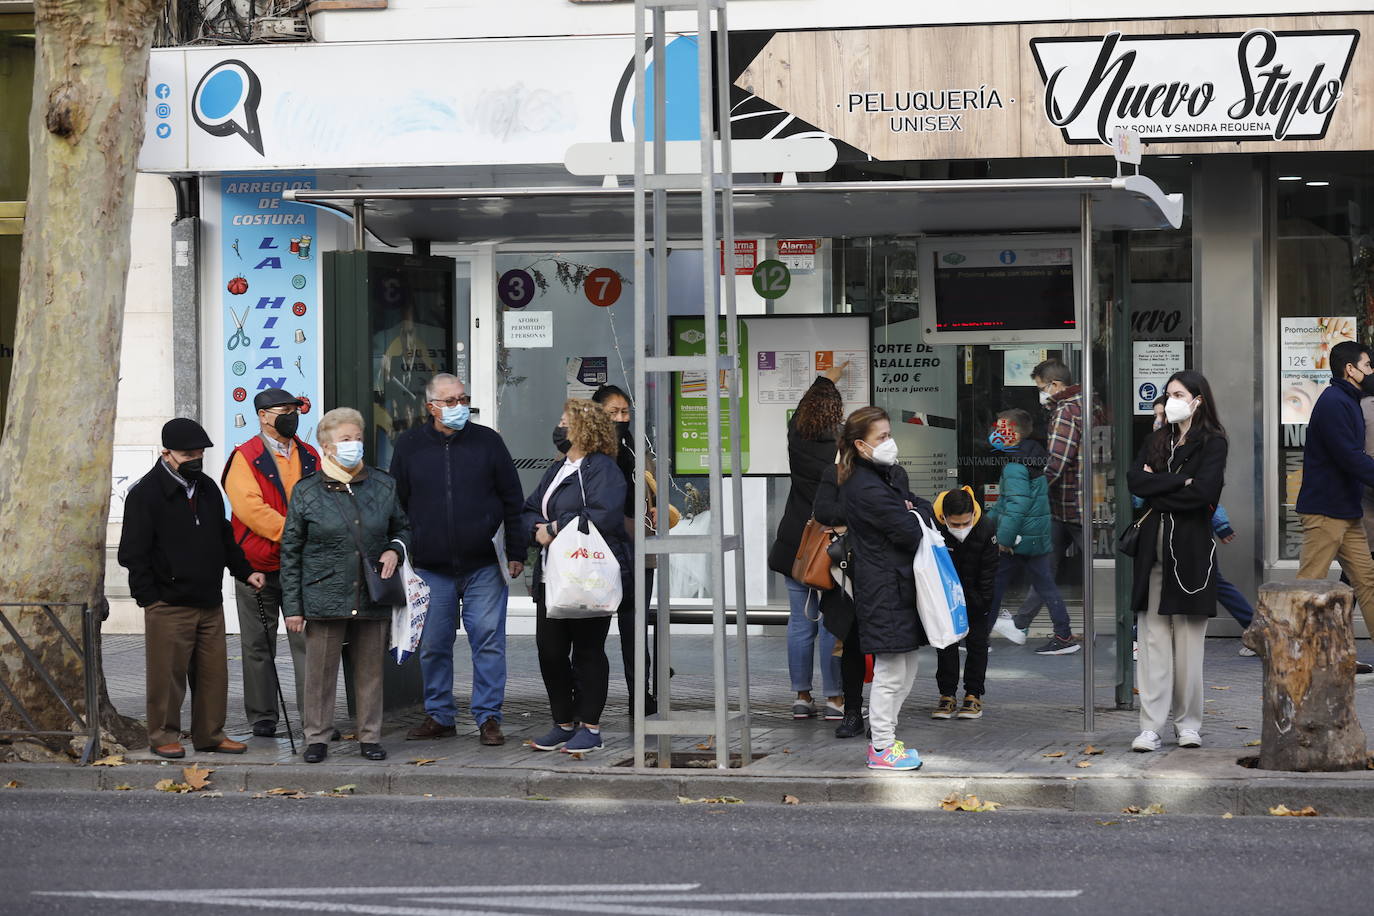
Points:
point(396, 891)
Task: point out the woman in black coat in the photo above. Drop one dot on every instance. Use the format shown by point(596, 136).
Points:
point(572, 652)
point(884, 535)
point(811, 436)
point(1179, 475)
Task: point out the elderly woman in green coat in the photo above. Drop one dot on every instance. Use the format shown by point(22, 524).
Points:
point(324, 588)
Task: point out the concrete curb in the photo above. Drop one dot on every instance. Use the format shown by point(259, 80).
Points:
point(1334, 795)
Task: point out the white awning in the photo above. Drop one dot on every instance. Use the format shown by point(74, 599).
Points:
point(556, 215)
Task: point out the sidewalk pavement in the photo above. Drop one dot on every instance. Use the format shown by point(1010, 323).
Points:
point(1028, 750)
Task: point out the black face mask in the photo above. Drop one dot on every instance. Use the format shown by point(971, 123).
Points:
point(1367, 386)
point(286, 424)
point(622, 433)
point(561, 440)
point(190, 466)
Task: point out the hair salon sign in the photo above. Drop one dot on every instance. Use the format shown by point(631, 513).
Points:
point(1256, 85)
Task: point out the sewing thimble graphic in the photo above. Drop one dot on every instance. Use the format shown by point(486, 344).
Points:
point(239, 422)
point(300, 336)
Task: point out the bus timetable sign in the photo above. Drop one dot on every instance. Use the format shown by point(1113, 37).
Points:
point(1256, 85)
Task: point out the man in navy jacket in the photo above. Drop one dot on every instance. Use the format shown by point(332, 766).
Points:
point(1335, 471)
point(458, 484)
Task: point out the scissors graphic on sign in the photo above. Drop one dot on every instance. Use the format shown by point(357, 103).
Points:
point(239, 337)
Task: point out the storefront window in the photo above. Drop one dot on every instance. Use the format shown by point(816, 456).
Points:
point(1324, 236)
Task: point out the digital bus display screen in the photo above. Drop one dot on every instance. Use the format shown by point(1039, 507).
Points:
point(1011, 289)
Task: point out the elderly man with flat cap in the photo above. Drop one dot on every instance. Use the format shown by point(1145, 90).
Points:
point(258, 479)
point(176, 544)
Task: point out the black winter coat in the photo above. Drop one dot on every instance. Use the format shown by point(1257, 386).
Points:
point(1189, 558)
point(457, 491)
point(175, 550)
point(807, 460)
point(837, 607)
point(975, 560)
point(884, 536)
point(604, 484)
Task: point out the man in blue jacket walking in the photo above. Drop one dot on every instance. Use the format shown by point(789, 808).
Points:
point(1335, 471)
point(458, 484)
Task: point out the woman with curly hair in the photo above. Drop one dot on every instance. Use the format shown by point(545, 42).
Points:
point(572, 653)
point(811, 437)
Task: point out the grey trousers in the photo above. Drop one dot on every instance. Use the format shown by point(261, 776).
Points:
point(324, 639)
point(260, 651)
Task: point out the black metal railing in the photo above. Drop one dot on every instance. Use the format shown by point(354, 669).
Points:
point(85, 724)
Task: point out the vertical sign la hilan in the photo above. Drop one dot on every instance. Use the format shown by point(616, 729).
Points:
point(269, 287)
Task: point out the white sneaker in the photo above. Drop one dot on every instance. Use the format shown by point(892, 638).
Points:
point(1006, 628)
point(1146, 741)
point(1186, 738)
point(1246, 652)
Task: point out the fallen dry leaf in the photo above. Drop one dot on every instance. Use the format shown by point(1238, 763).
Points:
point(791, 800)
point(283, 792)
point(1214, 687)
point(1148, 809)
point(1252, 744)
point(1246, 727)
point(1227, 816)
point(114, 760)
point(1284, 811)
point(1055, 754)
point(196, 777)
point(424, 761)
point(576, 755)
point(168, 785)
point(350, 737)
point(211, 795)
point(716, 800)
point(1093, 751)
point(957, 802)
point(13, 784)
point(1107, 823)
point(1083, 764)
point(124, 787)
point(528, 798)
point(346, 789)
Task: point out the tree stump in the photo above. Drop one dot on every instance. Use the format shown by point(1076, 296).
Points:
point(1303, 630)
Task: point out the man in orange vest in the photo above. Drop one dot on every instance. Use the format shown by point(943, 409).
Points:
point(259, 478)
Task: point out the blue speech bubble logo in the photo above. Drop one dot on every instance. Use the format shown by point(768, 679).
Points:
point(226, 102)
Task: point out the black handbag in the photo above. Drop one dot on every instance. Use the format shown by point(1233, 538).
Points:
point(1129, 541)
point(392, 591)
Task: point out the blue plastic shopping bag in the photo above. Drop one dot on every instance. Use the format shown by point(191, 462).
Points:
point(939, 593)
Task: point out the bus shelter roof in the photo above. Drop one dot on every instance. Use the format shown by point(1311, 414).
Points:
point(559, 215)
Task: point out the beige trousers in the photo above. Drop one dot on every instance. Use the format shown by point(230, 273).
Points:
point(324, 641)
point(174, 638)
point(1325, 539)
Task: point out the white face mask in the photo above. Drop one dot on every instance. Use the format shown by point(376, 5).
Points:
point(960, 533)
point(349, 453)
point(885, 453)
point(1176, 410)
point(1045, 398)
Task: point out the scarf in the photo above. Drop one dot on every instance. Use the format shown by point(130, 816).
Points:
point(335, 471)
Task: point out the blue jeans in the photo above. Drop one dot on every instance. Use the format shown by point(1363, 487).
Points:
point(1040, 570)
point(802, 627)
point(1229, 597)
point(1061, 534)
point(483, 592)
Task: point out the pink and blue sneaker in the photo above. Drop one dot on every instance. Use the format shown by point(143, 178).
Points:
point(896, 757)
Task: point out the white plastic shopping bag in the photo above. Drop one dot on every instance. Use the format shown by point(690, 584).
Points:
point(408, 620)
point(939, 593)
point(581, 574)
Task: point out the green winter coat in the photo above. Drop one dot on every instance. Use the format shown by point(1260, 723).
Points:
point(1023, 502)
point(321, 572)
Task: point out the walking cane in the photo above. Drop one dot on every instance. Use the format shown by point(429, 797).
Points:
point(262, 615)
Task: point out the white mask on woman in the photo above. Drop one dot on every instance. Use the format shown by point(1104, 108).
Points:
point(885, 452)
point(348, 453)
point(1176, 410)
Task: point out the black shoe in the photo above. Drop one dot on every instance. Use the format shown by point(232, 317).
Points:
point(337, 736)
point(264, 728)
point(315, 753)
point(374, 752)
point(851, 727)
point(1362, 668)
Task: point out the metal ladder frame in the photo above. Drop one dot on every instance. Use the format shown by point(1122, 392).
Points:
point(651, 185)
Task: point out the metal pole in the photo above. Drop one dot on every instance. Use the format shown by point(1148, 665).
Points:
point(1123, 401)
point(1085, 452)
point(641, 608)
point(89, 663)
point(359, 226)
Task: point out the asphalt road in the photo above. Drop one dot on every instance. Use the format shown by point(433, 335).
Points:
point(151, 854)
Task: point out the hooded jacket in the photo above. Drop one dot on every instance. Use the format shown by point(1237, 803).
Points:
point(1022, 509)
point(975, 557)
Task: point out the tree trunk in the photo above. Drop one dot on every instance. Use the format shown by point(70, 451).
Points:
point(85, 130)
point(1304, 633)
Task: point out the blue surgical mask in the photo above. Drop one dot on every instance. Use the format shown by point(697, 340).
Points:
point(348, 454)
point(455, 417)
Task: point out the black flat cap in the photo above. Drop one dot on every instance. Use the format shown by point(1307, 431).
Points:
point(274, 397)
point(184, 435)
